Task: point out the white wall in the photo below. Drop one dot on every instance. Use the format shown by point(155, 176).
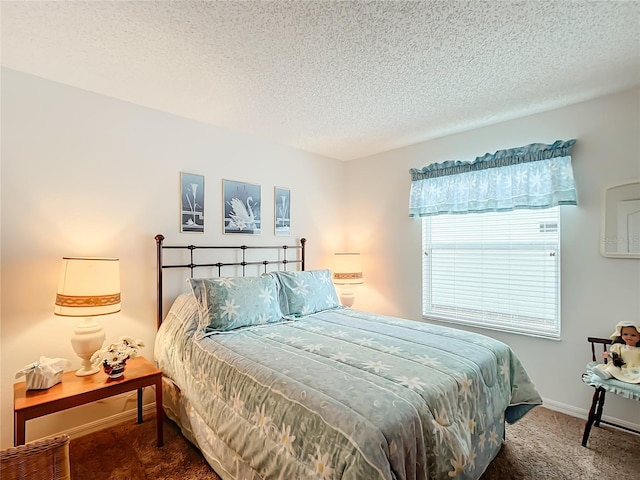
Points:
point(84, 174)
point(597, 292)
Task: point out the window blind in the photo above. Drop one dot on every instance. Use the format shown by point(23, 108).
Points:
point(497, 270)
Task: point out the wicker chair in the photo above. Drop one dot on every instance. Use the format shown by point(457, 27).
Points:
point(46, 459)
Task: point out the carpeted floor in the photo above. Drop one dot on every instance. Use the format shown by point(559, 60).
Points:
point(543, 445)
point(547, 445)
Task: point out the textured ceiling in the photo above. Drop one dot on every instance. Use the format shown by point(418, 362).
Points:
point(342, 79)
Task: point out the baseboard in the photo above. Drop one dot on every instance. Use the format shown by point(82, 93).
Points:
point(564, 408)
point(581, 413)
point(112, 421)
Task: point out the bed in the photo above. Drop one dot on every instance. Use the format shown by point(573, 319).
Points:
point(271, 379)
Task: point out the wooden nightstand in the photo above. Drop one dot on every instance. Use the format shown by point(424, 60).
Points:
point(74, 391)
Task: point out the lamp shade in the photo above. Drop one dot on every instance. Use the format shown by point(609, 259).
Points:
point(88, 287)
point(347, 269)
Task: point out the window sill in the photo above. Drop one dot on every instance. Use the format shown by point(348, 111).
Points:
point(496, 328)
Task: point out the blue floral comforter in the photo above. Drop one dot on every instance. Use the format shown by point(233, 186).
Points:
point(342, 394)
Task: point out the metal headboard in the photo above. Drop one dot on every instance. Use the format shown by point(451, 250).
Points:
point(192, 264)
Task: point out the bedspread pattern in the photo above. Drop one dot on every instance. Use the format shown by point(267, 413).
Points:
point(344, 394)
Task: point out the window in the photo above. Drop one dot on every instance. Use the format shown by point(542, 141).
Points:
point(498, 270)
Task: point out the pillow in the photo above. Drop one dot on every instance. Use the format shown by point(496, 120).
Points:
point(227, 303)
point(304, 293)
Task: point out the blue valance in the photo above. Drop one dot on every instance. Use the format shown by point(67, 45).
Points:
point(533, 176)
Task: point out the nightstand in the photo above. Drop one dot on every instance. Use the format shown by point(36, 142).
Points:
point(74, 391)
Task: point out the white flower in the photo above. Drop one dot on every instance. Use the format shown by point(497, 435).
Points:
point(313, 347)
point(428, 361)
point(458, 465)
point(472, 459)
point(341, 356)
point(301, 288)
point(217, 389)
point(286, 439)
point(493, 437)
point(321, 464)
point(266, 294)
point(440, 423)
point(464, 385)
point(230, 309)
point(238, 403)
point(261, 420)
point(376, 366)
point(325, 277)
point(226, 281)
point(263, 318)
point(471, 425)
point(504, 369)
point(482, 440)
point(413, 383)
point(391, 350)
point(123, 349)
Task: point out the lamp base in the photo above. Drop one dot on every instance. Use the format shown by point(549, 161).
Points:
point(87, 338)
point(347, 298)
point(83, 372)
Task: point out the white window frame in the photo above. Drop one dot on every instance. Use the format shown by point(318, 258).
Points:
point(480, 304)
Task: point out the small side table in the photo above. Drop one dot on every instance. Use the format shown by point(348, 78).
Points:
point(74, 391)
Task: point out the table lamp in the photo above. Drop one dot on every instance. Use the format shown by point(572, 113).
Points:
point(88, 287)
point(347, 270)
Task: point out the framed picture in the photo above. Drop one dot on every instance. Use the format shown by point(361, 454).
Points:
point(191, 203)
point(282, 197)
point(241, 205)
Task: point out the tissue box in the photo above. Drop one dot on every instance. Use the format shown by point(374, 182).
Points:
point(45, 373)
point(36, 380)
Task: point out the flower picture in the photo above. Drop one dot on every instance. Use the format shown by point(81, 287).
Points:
point(191, 203)
point(282, 211)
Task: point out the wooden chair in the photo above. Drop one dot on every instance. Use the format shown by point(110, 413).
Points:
point(46, 459)
point(599, 346)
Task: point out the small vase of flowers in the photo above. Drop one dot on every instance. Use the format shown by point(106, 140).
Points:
point(114, 356)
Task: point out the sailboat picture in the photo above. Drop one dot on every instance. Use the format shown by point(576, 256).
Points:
point(242, 207)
